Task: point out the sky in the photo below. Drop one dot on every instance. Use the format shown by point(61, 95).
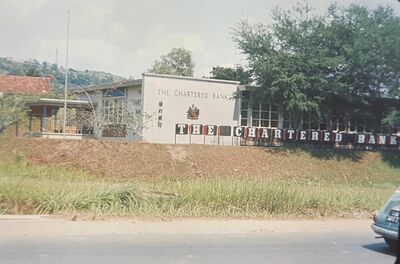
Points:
point(125, 37)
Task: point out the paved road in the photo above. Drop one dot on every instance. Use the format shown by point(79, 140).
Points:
point(359, 246)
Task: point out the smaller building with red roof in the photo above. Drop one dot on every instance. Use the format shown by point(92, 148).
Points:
point(11, 84)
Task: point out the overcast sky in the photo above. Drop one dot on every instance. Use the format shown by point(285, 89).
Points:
point(124, 37)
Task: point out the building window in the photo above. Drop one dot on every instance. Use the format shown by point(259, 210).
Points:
point(258, 114)
point(356, 125)
point(288, 121)
point(120, 92)
point(264, 115)
point(305, 120)
point(114, 110)
point(244, 106)
point(313, 121)
point(338, 123)
point(114, 106)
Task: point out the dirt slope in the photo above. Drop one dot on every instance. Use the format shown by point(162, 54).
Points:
point(130, 159)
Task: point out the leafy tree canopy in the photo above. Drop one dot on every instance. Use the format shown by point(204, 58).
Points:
point(177, 62)
point(346, 59)
point(393, 118)
point(33, 72)
point(233, 74)
point(12, 109)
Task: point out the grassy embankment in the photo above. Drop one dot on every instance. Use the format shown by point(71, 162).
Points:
point(54, 189)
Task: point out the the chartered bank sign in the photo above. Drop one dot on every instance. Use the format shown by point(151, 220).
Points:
point(195, 94)
point(270, 136)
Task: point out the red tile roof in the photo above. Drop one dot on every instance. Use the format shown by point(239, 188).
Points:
point(24, 84)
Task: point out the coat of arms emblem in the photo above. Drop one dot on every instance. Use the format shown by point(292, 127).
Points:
point(193, 113)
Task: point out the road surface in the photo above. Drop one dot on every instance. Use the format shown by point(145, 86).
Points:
point(31, 239)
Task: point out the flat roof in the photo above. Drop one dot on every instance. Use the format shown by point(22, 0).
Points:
point(57, 102)
point(189, 78)
point(114, 85)
point(127, 83)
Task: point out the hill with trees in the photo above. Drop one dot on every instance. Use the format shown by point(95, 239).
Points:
point(36, 68)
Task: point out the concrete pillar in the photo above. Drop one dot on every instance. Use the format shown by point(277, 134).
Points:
point(30, 123)
point(44, 123)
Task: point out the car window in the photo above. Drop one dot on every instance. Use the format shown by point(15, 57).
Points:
point(390, 205)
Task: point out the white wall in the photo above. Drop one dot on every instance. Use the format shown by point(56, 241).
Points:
point(213, 98)
point(134, 105)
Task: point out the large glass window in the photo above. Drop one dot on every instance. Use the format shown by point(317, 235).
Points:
point(264, 115)
point(244, 106)
point(114, 105)
point(288, 120)
point(355, 125)
point(338, 123)
point(310, 121)
point(257, 113)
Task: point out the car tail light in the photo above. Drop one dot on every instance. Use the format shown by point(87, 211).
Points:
point(374, 216)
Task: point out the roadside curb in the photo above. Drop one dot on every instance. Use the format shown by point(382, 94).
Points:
point(23, 217)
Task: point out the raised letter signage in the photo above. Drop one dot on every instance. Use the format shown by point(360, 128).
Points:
point(263, 134)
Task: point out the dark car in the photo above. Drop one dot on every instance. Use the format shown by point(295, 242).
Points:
point(386, 220)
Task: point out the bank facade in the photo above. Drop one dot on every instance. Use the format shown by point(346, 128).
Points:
point(185, 110)
point(162, 101)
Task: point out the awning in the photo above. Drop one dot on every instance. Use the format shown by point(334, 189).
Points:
point(58, 102)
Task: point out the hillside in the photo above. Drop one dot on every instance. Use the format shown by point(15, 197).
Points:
point(76, 77)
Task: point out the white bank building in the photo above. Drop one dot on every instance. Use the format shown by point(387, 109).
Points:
point(184, 110)
point(173, 109)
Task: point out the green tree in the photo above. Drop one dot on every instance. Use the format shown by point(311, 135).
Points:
point(393, 118)
point(32, 71)
point(177, 62)
point(12, 109)
point(343, 61)
point(233, 74)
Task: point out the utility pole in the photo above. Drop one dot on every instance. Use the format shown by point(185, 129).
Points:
point(398, 240)
point(56, 62)
point(66, 77)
